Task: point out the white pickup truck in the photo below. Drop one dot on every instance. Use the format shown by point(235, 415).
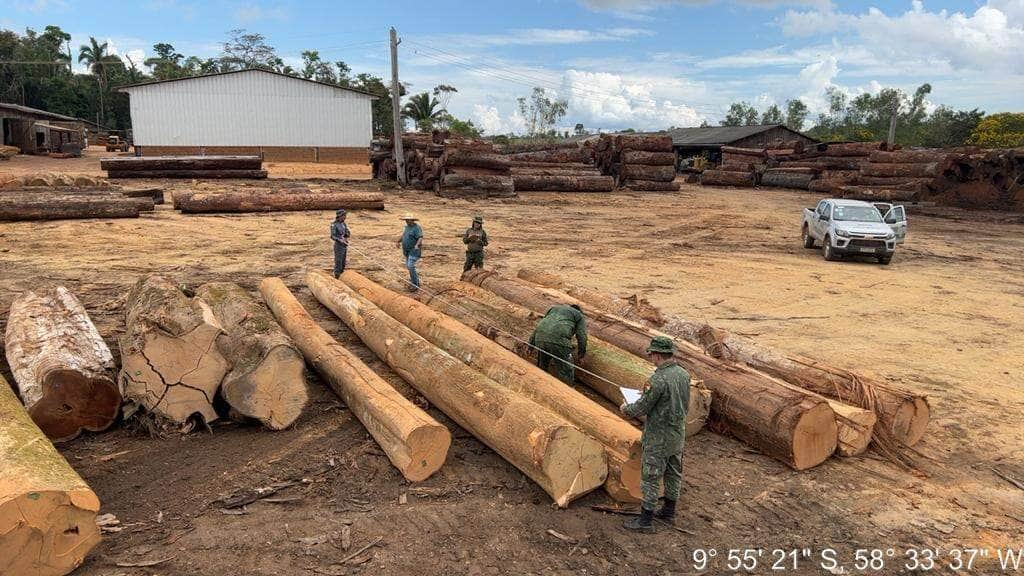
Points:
point(854, 227)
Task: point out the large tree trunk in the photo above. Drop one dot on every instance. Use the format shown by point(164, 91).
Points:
point(133, 163)
point(68, 207)
point(644, 142)
point(649, 158)
point(47, 512)
point(856, 423)
point(266, 380)
point(188, 174)
point(606, 369)
point(475, 159)
point(909, 156)
point(62, 366)
point(566, 170)
point(786, 179)
point(49, 196)
point(645, 172)
point(566, 155)
point(207, 202)
point(415, 443)
point(793, 427)
point(876, 193)
point(494, 185)
point(170, 364)
point(556, 455)
point(620, 439)
point(724, 178)
point(525, 183)
point(900, 170)
point(650, 186)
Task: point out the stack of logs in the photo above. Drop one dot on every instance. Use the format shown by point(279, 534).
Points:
point(424, 157)
point(197, 167)
point(556, 167)
point(472, 173)
point(76, 202)
point(642, 162)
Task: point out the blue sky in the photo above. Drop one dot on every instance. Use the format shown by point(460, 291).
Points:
point(645, 64)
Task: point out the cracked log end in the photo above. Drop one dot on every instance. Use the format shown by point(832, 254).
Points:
point(573, 463)
point(623, 483)
point(910, 420)
point(274, 392)
point(427, 449)
point(72, 402)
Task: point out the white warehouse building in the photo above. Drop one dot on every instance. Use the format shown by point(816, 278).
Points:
point(276, 116)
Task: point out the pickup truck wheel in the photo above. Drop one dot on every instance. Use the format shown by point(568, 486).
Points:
point(805, 235)
point(884, 260)
point(826, 250)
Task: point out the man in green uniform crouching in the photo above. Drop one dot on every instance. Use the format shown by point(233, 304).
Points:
point(664, 403)
point(553, 340)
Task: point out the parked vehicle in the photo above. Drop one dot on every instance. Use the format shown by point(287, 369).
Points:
point(847, 227)
point(116, 143)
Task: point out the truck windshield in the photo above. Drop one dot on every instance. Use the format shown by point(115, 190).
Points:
point(857, 214)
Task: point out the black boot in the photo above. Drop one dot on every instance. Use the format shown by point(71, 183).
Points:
point(668, 511)
point(642, 523)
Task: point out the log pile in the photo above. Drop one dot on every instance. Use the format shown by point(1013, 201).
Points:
point(993, 180)
point(286, 199)
point(557, 167)
point(472, 173)
point(53, 180)
point(193, 167)
point(8, 152)
point(739, 167)
point(641, 162)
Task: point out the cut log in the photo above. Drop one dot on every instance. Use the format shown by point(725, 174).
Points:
point(67, 208)
point(565, 170)
point(188, 174)
point(897, 194)
point(538, 146)
point(644, 172)
point(47, 512)
point(900, 170)
point(909, 156)
point(825, 163)
point(650, 186)
point(851, 148)
point(792, 427)
point(792, 170)
point(157, 194)
point(181, 163)
point(62, 196)
point(212, 202)
point(644, 142)
point(752, 152)
point(563, 183)
point(606, 369)
point(629, 307)
point(565, 155)
point(733, 166)
point(170, 364)
point(724, 178)
point(494, 185)
point(620, 439)
point(649, 158)
point(415, 443)
point(556, 455)
point(266, 381)
point(831, 187)
point(786, 179)
point(475, 159)
point(894, 182)
point(63, 368)
point(552, 165)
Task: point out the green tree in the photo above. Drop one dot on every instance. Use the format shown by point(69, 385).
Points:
point(1004, 130)
point(740, 114)
point(95, 56)
point(773, 115)
point(424, 110)
point(167, 63)
point(541, 112)
point(796, 114)
point(462, 127)
point(245, 50)
point(381, 107)
point(313, 68)
point(947, 127)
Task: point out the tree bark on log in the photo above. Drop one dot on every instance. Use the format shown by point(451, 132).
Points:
point(415, 443)
point(733, 166)
point(556, 455)
point(897, 182)
point(563, 156)
point(909, 156)
point(644, 172)
point(607, 369)
point(234, 202)
point(643, 142)
point(188, 174)
point(566, 170)
point(67, 208)
point(494, 185)
point(477, 160)
point(620, 439)
point(650, 186)
point(61, 196)
point(649, 158)
point(876, 169)
point(792, 427)
point(752, 152)
point(786, 180)
point(266, 381)
point(47, 512)
point(63, 368)
point(170, 364)
point(723, 178)
point(150, 163)
point(563, 183)
point(831, 187)
point(825, 163)
point(551, 165)
point(897, 194)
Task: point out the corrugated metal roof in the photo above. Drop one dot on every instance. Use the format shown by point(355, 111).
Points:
point(182, 79)
point(37, 112)
point(717, 135)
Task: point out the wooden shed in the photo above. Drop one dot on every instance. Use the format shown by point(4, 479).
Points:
point(708, 141)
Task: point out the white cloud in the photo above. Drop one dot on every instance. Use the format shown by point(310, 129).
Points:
point(626, 8)
point(602, 99)
point(491, 121)
point(814, 79)
point(540, 37)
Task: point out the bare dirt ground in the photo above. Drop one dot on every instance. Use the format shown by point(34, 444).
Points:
point(944, 318)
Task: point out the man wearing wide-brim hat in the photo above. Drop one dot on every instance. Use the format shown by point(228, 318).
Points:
point(412, 248)
point(475, 239)
point(664, 403)
point(340, 234)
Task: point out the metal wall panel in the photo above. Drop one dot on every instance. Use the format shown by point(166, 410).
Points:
point(248, 109)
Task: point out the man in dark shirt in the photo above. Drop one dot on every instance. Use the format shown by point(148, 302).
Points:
point(412, 248)
point(340, 234)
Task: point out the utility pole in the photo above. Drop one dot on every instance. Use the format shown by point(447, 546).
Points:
point(892, 124)
point(396, 107)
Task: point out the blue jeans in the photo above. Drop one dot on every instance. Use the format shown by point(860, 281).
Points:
point(410, 263)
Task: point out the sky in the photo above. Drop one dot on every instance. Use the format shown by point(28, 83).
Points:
point(642, 64)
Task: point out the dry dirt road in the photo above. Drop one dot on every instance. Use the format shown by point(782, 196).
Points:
point(944, 318)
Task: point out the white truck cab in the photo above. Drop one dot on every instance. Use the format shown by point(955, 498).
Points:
point(851, 227)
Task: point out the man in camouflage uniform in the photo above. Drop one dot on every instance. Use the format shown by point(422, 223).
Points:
point(553, 339)
point(340, 234)
point(664, 403)
point(475, 239)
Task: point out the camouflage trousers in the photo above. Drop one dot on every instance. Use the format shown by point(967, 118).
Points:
point(473, 259)
point(658, 468)
point(561, 355)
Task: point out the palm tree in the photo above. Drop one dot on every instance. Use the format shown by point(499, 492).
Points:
point(424, 110)
point(95, 56)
